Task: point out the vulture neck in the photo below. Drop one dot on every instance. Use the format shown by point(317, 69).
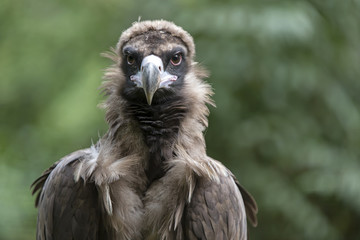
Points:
point(144, 139)
point(160, 125)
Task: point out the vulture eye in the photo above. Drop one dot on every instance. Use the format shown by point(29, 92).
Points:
point(130, 59)
point(176, 59)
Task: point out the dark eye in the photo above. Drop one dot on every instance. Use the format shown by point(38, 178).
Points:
point(176, 59)
point(130, 59)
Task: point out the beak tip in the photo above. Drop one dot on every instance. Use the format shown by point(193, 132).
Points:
point(148, 99)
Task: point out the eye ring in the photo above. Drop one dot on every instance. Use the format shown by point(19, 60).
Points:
point(130, 59)
point(176, 59)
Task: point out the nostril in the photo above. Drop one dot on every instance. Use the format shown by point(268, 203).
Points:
point(160, 68)
point(142, 69)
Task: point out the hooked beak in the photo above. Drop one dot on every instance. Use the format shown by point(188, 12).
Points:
point(152, 76)
point(151, 68)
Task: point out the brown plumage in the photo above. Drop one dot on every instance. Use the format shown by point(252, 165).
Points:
point(149, 176)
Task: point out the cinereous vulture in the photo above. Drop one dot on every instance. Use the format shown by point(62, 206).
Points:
point(149, 176)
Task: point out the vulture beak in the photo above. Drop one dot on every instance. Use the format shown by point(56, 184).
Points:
point(151, 68)
point(152, 76)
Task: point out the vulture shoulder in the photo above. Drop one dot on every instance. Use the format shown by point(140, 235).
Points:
point(217, 210)
point(68, 209)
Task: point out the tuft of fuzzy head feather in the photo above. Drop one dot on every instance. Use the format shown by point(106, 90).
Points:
point(140, 28)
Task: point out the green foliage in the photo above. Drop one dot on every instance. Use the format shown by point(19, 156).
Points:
point(285, 74)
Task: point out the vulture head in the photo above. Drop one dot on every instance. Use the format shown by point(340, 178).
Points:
point(154, 65)
point(155, 59)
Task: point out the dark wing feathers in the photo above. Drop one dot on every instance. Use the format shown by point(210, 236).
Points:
point(250, 204)
point(215, 211)
point(67, 209)
point(38, 184)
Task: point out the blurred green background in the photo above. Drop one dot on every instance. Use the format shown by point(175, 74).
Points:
point(286, 78)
